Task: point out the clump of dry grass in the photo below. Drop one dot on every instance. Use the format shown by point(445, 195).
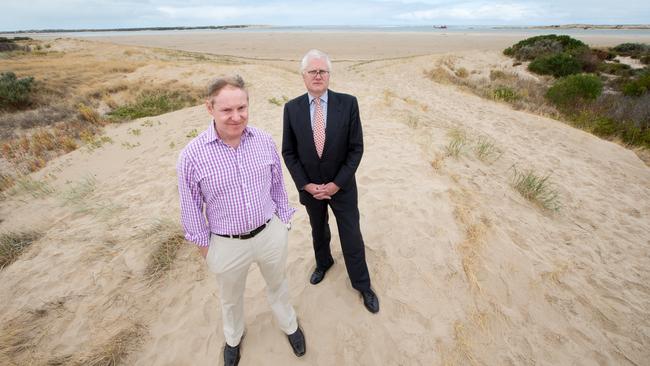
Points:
point(536, 188)
point(13, 244)
point(22, 334)
point(116, 349)
point(168, 239)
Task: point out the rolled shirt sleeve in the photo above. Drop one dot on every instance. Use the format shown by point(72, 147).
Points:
point(194, 223)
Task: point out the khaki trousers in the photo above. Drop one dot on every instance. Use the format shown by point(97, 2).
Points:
point(230, 259)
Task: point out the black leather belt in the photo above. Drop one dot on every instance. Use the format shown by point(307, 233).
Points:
point(248, 235)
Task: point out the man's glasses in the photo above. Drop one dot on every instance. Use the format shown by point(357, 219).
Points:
point(321, 73)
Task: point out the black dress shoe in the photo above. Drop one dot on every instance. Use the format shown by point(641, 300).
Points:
point(231, 355)
point(297, 341)
point(370, 300)
point(319, 274)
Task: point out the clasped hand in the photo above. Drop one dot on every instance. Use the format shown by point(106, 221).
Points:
point(322, 191)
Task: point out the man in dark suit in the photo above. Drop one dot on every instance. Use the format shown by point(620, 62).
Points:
point(322, 145)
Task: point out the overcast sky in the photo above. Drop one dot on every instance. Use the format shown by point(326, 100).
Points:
point(68, 14)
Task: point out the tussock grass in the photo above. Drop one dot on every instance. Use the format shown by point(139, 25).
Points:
point(116, 349)
point(22, 334)
point(80, 191)
point(536, 188)
point(168, 239)
point(13, 244)
point(34, 188)
point(486, 150)
point(457, 143)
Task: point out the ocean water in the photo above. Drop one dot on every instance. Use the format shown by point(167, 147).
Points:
point(451, 29)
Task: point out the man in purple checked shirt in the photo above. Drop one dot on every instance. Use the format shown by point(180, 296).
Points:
point(234, 207)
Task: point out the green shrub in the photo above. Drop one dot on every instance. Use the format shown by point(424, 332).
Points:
point(504, 93)
point(557, 65)
point(14, 92)
point(534, 47)
point(615, 68)
point(632, 49)
point(638, 87)
point(152, 103)
point(574, 89)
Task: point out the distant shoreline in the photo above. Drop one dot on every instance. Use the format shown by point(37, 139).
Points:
point(592, 26)
point(254, 26)
point(210, 27)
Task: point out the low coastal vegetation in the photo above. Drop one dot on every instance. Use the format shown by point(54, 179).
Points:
point(55, 98)
point(536, 188)
point(605, 91)
point(13, 244)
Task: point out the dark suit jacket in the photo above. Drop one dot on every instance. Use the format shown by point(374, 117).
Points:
point(343, 143)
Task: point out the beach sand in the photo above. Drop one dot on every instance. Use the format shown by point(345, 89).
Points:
point(467, 270)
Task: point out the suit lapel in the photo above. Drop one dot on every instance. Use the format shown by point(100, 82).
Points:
point(305, 123)
point(333, 120)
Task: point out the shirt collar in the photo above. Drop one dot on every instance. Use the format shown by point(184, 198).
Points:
point(211, 134)
point(322, 97)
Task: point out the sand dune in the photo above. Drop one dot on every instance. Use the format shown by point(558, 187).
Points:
point(468, 271)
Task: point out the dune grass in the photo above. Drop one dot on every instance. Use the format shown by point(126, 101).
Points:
point(79, 191)
point(536, 188)
point(486, 150)
point(457, 143)
point(168, 239)
point(22, 334)
point(13, 244)
point(163, 257)
point(115, 351)
point(152, 103)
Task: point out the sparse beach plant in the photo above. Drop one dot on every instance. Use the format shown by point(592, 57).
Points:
point(192, 134)
point(505, 94)
point(535, 188)
point(486, 149)
point(134, 131)
point(168, 240)
point(13, 244)
point(34, 188)
point(80, 191)
point(457, 142)
point(114, 351)
point(461, 73)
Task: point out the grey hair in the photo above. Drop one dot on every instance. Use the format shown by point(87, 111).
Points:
point(218, 84)
point(314, 54)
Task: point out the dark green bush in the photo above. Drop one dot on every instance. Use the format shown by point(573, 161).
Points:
point(14, 92)
point(615, 68)
point(574, 89)
point(632, 49)
point(544, 45)
point(557, 65)
point(638, 87)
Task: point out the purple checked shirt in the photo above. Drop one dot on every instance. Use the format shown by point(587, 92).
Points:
point(239, 188)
